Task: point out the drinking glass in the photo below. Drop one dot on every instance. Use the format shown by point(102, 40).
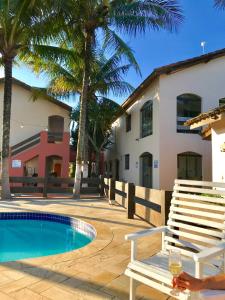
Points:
point(175, 267)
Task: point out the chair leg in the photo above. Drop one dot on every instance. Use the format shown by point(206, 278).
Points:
point(133, 286)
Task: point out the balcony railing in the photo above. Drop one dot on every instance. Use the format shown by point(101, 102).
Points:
point(55, 137)
point(26, 144)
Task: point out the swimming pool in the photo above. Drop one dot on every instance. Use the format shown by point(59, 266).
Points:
point(28, 235)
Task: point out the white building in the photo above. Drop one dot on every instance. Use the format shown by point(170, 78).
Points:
point(39, 132)
point(151, 146)
point(215, 121)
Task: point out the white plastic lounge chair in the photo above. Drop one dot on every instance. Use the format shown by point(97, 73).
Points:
point(196, 226)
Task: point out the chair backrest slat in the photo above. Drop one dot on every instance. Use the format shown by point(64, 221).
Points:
point(197, 216)
point(199, 213)
point(197, 197)
point(199, 183)
point(194, 204)
point(215, 233)
point(198, 190)
point(196, 238)
point(190, 220)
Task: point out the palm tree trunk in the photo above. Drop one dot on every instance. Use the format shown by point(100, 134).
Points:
point(5, 194)
point(85, 161)
point(83, 112)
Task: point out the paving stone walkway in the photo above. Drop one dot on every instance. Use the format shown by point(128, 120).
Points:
point(94, 272)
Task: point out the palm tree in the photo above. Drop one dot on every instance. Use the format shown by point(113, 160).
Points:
point(107, 75)
point(104, 18)
point(22, 24)
point(220, 4)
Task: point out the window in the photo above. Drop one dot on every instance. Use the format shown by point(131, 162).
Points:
point(128, 123)
point(110, 166)
point(189, 166)
point(222, 101)
point(146, 119)
point(188, 106)
point(55, 129)
point(127, 161)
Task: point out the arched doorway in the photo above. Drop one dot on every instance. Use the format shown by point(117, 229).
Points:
point(189, 166)
point(146, 170)
point(54, 166)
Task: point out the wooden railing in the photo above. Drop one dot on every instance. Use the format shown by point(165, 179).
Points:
point(48, 185)
point(148, 204)
point(55, 137)
point(26, 144)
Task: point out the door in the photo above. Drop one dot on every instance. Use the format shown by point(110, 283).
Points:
point(57, 169)
point(146, 170)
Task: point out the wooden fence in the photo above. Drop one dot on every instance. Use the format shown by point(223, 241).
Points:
point(53, 185)
point(148, 204)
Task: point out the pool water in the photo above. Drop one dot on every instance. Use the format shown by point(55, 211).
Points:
point(20, 239)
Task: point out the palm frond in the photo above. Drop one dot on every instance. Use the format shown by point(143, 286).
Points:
point(113, 41)
point(136, 16)
point(220, 4)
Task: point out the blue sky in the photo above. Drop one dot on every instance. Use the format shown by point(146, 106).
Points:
point(202, 23)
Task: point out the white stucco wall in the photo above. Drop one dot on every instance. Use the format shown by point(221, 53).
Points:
point(131, 143)
point(218, 157)
point(205, 80)
point(33, 115)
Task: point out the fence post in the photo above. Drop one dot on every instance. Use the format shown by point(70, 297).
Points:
point(111, 189)
point(168, 197)
point(130, 200)
point(102, 185)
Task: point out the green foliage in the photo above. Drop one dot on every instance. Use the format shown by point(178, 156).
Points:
point(220, 4)
point(212, 195)
point(23, 25)
point(101, 114)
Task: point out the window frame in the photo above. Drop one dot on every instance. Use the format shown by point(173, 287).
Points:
point(142, 180)
point(221, 102)
point(128, 123)
point(148, 105)
point(127, 161)
point(188, 155)
point(183, 119)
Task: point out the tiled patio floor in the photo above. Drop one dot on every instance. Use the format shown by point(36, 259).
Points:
point(94, 272)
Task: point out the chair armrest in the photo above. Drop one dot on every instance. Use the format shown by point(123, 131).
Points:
point(209, 253)
point(147, 232)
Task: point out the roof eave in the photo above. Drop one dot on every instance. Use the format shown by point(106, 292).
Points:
point(48, 97)
point(168, 69)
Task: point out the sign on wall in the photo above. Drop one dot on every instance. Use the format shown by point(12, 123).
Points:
point(16, 163)
point(156, 164)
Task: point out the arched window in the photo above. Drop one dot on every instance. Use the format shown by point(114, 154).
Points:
point(55, 123)
point(146, 170)
point(55, 128)
point(146, 119)
point(222, 101)
point(188, 106)
point(189, 166)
